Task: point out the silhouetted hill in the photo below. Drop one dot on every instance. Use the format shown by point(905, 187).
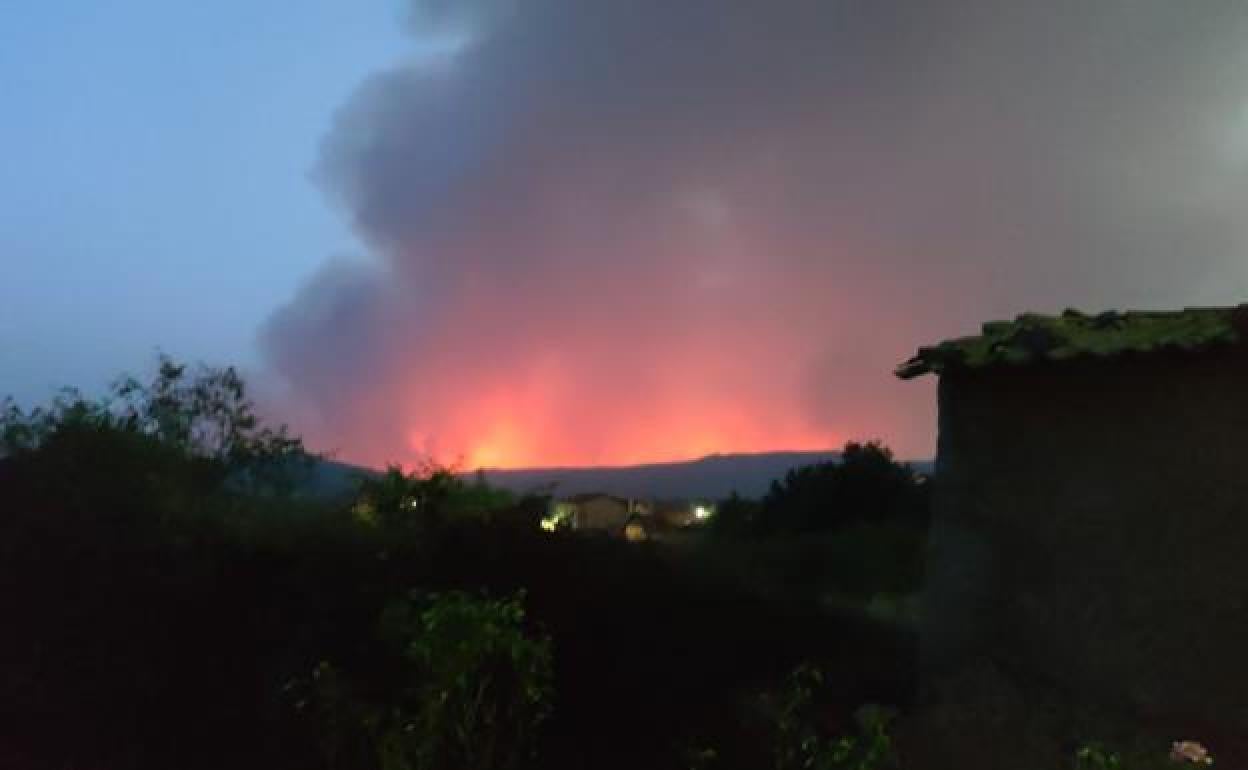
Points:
point(712, 477)
point(330, 479)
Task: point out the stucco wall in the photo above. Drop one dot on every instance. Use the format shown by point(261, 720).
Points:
point(602, 513)
point(1091, 527)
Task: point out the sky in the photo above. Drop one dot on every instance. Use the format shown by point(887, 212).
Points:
point(156, 185)
point(549, 232)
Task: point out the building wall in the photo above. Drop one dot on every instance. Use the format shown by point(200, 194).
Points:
point(1091, 528)
point(602, 513)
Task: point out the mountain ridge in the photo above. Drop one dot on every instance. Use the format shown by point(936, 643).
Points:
point(712, 477)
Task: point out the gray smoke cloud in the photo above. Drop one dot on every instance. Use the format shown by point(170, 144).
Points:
point(606, 231)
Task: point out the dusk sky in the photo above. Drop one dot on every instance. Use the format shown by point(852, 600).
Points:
point(538, 232)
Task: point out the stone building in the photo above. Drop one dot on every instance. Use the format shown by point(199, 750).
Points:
point(596, 512)
point(1090, 523)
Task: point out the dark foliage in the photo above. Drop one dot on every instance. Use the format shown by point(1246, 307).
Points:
point(866, 486)
point(158, 613)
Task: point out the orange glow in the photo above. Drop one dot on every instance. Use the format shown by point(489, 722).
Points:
point(523, 428)
point(543, 363)
point(662, 449)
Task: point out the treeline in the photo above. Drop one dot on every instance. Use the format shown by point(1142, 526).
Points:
point(866, 486)
point(172, 600)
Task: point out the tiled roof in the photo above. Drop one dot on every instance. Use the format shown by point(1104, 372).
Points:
point(585, 497)
point(1031, 338)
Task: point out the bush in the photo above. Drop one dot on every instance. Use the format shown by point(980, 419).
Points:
point(866, 486)
point(427, 498)
point(468, 689)
point(802, 739)
point(166, 607)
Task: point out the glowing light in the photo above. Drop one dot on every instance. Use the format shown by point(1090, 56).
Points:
point(542, 418)
point(635, 531)
point(562, 517)
point(702, 512)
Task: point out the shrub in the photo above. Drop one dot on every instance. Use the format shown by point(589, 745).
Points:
point(469, 689)
point(802, 743)
point(428, 497)
point(1095, 756)
point(867, 485)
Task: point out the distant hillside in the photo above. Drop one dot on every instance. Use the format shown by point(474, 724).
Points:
point(712, 477)
point(333, 480)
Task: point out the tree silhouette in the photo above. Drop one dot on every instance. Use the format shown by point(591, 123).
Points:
point(866, 485)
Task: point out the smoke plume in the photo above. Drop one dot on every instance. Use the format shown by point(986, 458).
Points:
point(607, 232)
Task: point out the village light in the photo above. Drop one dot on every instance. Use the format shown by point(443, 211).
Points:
point(552, 521)
point(701, 512)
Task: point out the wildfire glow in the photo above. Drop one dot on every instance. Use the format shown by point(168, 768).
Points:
point(585, 407)
point(528, 438)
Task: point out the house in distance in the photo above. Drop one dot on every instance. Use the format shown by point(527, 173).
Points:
point(1090, 520)
point(632, 519)
point(593, 511)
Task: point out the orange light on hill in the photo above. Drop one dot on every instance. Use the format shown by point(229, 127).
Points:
point(528, 438)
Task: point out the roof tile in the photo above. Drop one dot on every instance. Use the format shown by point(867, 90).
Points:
point(1032, 337)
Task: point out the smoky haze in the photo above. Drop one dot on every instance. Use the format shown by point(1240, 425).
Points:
point(614, 232)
